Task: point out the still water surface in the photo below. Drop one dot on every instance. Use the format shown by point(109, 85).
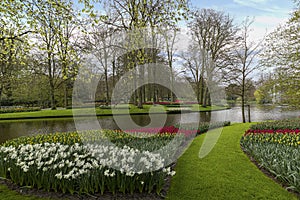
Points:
point(9, 130)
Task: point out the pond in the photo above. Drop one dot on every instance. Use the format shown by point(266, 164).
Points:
point(9, 130)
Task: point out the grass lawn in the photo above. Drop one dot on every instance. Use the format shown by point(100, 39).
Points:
point(69, 112)
point(199, 108)
point(7, 194)
point(99, 111)
point(225, 173)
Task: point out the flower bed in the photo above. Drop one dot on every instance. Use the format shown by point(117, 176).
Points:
point(166, 129)
point(18, 109)
point(278, 125)
point(202, 127)
point(276, 149)
point(190, 129)
point(172, 104)
point(97, 161)
point(86, 163)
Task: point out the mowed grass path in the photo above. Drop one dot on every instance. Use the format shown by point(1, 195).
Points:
point(225, 173)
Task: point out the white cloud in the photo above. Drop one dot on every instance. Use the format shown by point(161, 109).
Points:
point(249, 2)
point(263, 25)
point(262, 5)
point(183, 39)
point(269, 21)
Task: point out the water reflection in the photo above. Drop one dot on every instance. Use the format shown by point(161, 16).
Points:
point(22, 128)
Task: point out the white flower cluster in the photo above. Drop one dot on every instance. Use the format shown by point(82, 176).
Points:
point(126, 160)
point(169, 171)
point(71, 161)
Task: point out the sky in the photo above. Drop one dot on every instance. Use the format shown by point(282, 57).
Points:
point(268, 14)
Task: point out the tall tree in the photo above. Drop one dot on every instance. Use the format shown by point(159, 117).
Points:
point(135, 15)
point(14, 18)
point(192, 62)
point(243, 62)
point(12, 62)
point(170, 35)
point(214, 33)
point(102, 44)
point(14, 44)
point(282, 53)
point(68, 53)
point(55, 27)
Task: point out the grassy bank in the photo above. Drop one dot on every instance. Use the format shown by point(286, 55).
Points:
point(226, 173)
point(99, 112)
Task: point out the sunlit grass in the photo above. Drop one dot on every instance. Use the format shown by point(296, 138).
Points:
point(226, 173)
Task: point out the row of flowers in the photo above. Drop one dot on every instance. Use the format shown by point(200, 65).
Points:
point(189, 129)
point(186, 129)
point(85, 167)
point(276, 149)
point(270, 131)
point(165, 129)
point(18, 109)
point(291, 124)
point(287, 137)
point(177, 102)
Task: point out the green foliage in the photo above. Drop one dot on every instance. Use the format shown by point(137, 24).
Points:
point(281, 50)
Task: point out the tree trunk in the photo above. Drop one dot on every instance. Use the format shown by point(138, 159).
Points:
point(144, 94)
point(201, 90)
point(204, 104)
point(51, 83)
point(243, 110)
point(135, 93)
point(140, 97)
point(243, 100)
point(141, 73)
point(106, 87)
point(172, 87)
point(208, 98)
point(52, 95)
point(65, 94)
point(0, 97)
point(198, 91)
point(114, 72)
